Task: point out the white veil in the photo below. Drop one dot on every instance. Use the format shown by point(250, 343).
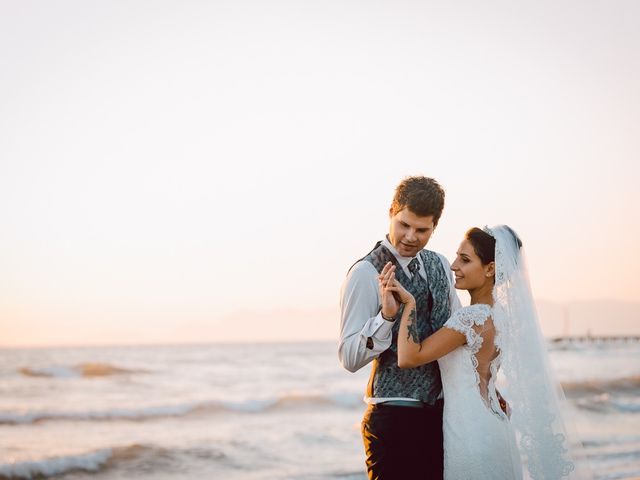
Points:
point(533, 393)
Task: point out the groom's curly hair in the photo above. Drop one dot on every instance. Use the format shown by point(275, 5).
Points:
point(421, 195)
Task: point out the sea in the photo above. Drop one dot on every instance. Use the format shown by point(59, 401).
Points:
point(250, 411)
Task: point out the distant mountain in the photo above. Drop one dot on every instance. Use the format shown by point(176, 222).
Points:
point(599, 317)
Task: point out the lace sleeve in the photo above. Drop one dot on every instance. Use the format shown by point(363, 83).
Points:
point(464, 321)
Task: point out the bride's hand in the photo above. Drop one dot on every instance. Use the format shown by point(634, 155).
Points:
point(392, 293)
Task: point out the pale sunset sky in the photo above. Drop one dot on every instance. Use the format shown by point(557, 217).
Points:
point(202, 171)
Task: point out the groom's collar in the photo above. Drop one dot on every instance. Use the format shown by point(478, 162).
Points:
point(403, 261)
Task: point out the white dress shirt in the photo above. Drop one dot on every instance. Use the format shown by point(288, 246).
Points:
point(360, 316)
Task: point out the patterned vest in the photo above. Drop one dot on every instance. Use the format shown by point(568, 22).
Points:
point(433, 309)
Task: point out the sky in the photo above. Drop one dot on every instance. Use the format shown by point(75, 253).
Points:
point(208, 171)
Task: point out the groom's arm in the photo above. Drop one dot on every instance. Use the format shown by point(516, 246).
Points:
point(364, 334)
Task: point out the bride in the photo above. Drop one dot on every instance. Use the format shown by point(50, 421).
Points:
point(499, 330)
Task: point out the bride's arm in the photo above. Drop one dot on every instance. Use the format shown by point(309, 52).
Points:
point(412, 352)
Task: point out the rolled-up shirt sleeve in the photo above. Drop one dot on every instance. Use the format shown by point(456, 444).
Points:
point(364, 334)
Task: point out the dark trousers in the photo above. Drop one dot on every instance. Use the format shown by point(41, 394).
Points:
point(403, 443)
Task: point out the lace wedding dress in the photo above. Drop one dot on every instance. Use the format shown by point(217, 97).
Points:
point(479, 440)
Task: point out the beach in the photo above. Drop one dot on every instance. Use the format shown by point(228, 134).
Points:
point(250, 411)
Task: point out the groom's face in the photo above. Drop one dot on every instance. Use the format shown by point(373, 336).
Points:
point(409, 233)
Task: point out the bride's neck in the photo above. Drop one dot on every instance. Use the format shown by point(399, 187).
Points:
point(482, 294)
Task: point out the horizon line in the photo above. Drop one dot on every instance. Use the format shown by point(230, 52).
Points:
point(552, 338)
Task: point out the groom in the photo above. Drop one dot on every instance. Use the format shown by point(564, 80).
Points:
point(402, 426)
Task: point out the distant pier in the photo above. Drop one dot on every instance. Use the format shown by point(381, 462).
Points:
point(591, 339)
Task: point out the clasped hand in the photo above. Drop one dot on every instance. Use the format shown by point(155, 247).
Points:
point(392, 293)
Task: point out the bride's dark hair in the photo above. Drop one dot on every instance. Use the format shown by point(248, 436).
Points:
point(483, 244)
point(515, 236)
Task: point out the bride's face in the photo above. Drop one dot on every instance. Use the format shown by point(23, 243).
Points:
point(468, 269)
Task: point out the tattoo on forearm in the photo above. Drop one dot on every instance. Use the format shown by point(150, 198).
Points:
point(412, 328)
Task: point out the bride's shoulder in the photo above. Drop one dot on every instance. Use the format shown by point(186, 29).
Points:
point(475, 314)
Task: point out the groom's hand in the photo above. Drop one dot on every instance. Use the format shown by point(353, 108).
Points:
point(388, 300)
point(504, 406)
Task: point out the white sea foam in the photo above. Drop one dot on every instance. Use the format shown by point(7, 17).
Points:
point(93, 461)
point(52, 371)
point(90, 462)
point(249, 406)
point(347, 400)
point(608, 385)
point(609, 403)
point(629, 406)
point(113, 414)
point(146, 413)
point(86, 369)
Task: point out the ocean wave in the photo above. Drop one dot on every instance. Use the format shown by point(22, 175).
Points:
point(48, 467)
point(630, 453)
point(25, 417)
point(97, 460)
point(597, 442)
point(88, 369)
point(606, 403)
point(586, 395)
point(285, 402)
point(632, 473)
point(610, 385)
